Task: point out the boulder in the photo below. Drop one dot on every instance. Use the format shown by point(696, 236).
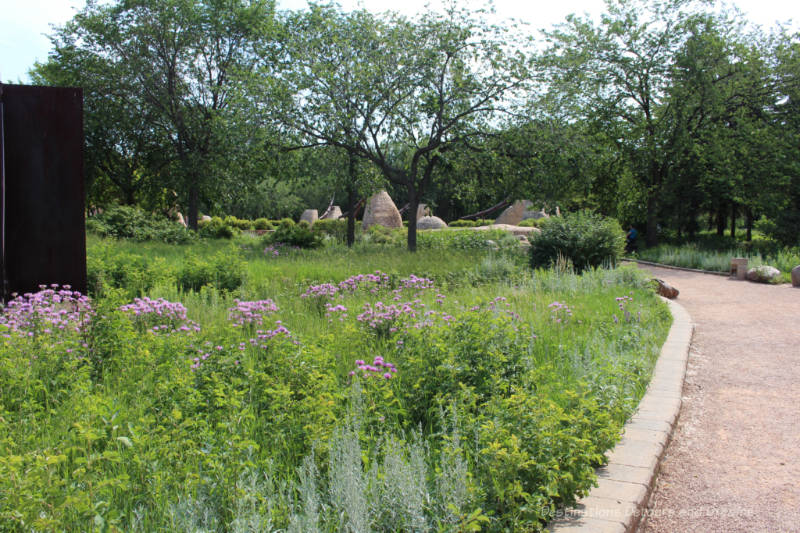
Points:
point(535, 214)
point(423, 211)
point(431, 223)
point(514, 213)
point(763, 273)
point(666, 290)
point(310, 216)
point(796, 276)
point(381, 211)
point(516, 230)
point(335, 212)
point(205, 218)
point(181, 220)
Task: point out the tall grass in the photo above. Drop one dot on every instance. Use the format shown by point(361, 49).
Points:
point(692, 256)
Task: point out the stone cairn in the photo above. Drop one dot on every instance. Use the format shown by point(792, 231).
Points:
point(335, 212)
point(431, 223)
point(514, 214)
point(310, 216)
point(381, 211)
point(423, 211)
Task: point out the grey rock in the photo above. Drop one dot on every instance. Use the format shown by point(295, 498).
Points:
point(310, 216)
point(514, 213)
point(431, 223)
point(763, 273)
point(796, 276)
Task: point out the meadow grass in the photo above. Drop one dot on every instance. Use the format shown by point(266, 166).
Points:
point(453, 390)
point(693, 256)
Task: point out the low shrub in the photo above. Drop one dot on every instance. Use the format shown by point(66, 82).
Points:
point(336, 229)
point(217, 228)
point(470, 223)
point(238, 223)
point(133, 274)
point(128, 222)
point(291, 234)
point(262, 224)
point(224, 271)
point(466, 239)
point(532, 222)
point(378, 234)
point(584, 238)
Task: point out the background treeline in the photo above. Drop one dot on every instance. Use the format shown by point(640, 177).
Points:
point(665, 115)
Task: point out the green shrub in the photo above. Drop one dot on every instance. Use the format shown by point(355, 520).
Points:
point(128, 222)
point(262, 224)
point(286, 222)
point(466, 239)
point(217, 228)
point(336, 229)
point(224, 271)
point(532, 222)
point(470, 223)
point(378, 234)
point(584, 238)
point(292, 234)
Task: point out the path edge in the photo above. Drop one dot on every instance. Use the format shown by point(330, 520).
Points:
point(618, 504)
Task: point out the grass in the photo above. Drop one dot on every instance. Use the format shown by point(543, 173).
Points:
point(509, 386)
point(693, 256)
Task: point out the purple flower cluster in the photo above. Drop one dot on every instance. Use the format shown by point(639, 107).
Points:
point(378, 368)
point(370, 282)
point(385, 319)
point(560, 312)
point(160, 315)
point(622, 303)
point(250, 312)
point(278, 248)
point(335, 310)
point(262, 338)
point(47, 311)
point(320, 292)
point(416, 283)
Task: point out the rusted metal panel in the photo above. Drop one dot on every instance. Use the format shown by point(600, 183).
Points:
point(44, 239)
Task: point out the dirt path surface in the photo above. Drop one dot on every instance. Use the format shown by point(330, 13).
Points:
point(734, 461)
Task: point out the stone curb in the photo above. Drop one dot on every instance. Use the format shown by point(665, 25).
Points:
point(618, 503)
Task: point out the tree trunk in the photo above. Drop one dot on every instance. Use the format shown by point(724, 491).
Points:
point(651, 238)
point(194, 200)
point(351, 216)
point(721, 220)
point(748, 222)
point(733, 220)
point(413, 204)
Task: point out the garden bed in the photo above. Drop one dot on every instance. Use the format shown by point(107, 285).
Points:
point(374, 390)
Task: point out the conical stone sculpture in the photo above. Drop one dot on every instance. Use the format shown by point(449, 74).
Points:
point(514, 213)
point(310, 216)
point(381, 211)
point(334, 213)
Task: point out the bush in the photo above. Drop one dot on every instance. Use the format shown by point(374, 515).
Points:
point(128, 222)
point(134, 274)
point(378, 234)
point(216, 228)
point(584, 238)
point(466, 240)
point(224, 271)
point(532, 222)
point(334, 228)
point(292, 234)
point(262, 224)
point(470, 223)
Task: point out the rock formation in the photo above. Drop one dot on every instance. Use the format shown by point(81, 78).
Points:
point(381, 211)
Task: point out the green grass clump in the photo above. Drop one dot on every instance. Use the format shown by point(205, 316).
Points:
point(321, 390)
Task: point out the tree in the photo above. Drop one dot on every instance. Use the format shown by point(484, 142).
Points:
point(169, 67)
point(619, 73)
point(355, 83)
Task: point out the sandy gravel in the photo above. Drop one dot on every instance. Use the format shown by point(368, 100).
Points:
point(734, 461)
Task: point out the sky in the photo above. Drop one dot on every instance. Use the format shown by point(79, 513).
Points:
point(25, 24)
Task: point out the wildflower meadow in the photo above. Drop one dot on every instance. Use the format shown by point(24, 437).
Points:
point(329, 390)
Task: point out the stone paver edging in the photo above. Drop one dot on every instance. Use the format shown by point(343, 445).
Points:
point(617, 504)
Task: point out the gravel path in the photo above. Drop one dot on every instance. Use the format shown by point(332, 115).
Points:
point(734, 461)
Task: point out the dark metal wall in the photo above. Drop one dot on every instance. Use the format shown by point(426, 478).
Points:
point(43, 238)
